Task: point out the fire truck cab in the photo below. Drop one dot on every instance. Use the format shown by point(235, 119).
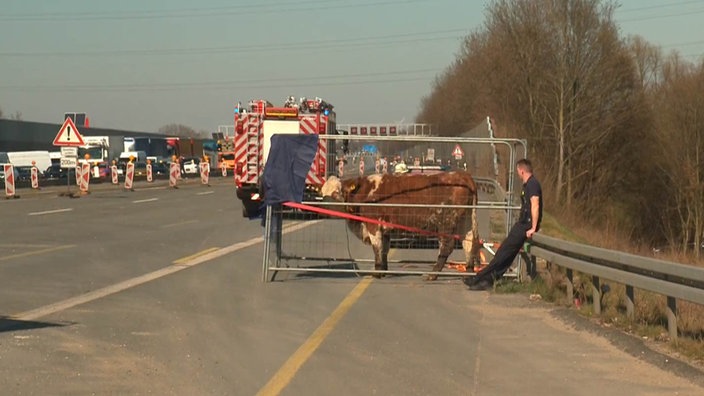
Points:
point(254, 127)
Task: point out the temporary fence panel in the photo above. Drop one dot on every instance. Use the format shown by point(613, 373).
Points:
point(330, 245)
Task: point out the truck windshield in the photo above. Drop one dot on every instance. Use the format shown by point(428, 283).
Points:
point(94, 152)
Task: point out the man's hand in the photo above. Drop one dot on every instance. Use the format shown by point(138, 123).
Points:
point(529, 233)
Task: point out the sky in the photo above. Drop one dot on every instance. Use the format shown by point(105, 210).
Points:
point(141, 64)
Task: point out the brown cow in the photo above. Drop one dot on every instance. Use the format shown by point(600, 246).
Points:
point(448, 188)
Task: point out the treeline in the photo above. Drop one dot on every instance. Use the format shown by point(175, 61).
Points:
point(615, 127)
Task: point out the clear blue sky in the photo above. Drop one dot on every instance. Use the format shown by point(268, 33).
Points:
point(138, 65)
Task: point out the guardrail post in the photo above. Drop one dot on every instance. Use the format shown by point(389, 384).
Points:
point(630, 302)
point(672, 317)
point(596, 295)
point(570, 285)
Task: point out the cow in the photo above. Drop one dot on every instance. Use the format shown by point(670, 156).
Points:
point(447, 188)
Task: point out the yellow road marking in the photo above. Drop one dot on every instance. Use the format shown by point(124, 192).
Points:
point(281, 379)
point(35, 252)
point(184, 260)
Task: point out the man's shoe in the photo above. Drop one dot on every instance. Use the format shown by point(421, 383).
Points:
point(468, 281)
point(481, 285)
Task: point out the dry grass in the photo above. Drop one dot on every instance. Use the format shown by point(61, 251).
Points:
point(650, 319)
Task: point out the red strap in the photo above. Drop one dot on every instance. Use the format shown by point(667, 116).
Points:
point(367, 220)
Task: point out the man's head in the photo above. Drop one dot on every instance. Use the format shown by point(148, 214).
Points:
point(524, 169)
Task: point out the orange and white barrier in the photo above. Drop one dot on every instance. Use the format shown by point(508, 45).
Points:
point(204, 172)
point(129, 176)
point(149, 173)
point(35, 177)
point(84, 180)
point(361, 167)
point(224, 169)
point(174, 173)
point(113, 174)
point(341, 168)
point(9, 180)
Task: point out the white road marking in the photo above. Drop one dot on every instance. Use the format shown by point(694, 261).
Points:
point(50, 212)
point(206, 192)
point(136, 281)
point(146, 200)
point(179, 223)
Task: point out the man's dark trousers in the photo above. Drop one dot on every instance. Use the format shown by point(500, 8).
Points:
point(505, 254)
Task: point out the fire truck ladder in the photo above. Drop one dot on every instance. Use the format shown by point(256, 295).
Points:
point(254, 146)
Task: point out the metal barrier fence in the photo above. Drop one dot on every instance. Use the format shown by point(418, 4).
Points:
point(675, 281)
point(329, 246)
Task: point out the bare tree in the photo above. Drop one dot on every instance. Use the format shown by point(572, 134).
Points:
point(178, 130)
point(679, 101)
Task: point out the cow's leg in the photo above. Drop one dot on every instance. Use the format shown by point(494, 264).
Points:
point(376, 240)
point(470, 244)
point(447, 245)
point(385, 246)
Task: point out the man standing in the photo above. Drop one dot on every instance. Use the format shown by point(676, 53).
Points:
point(528, 224)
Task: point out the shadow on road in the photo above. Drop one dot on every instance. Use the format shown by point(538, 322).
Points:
point(9, 324)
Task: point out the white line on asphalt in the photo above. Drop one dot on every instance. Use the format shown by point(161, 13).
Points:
point(130, 283)
point(50, 212)
point(205, 192)
point(179, 223)
point(146, 200)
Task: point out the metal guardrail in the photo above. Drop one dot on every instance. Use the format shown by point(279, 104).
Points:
point(674, 280)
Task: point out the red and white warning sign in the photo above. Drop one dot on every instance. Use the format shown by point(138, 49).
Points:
point(223, 166)
point(68, 135)
point(174, 173)
point(34, 176)
point(204, 172)
point(361, 166)
point(113, 174)
point(9, 180)
point(384, 165)
point(150, 177)
point(84, 179)
point(377, 166)
point(458, 153)
point(129, 176)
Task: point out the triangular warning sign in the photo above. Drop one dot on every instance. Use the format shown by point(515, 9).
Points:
point(457, 152)
point(68, 135)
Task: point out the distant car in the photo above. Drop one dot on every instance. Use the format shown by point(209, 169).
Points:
point(140, 169)
point(160, 168)
point(57, 172)
point(190, 165)
point(24, 173)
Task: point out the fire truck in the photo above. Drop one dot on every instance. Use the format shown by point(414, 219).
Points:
point(254, 127)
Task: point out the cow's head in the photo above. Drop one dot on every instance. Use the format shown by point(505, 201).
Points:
point(338, 190)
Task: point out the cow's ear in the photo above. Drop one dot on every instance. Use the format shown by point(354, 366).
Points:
point(352, 187)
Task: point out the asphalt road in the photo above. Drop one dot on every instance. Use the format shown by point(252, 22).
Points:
point(158, 291)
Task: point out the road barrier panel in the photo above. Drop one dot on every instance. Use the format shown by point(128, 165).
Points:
point(84, 178)
point(35, 177)
point(204, 173)
point(223, 168)
point(174, 173)
point(129, 176)
point(149, 173)
point(9, 181)
point(114, 175)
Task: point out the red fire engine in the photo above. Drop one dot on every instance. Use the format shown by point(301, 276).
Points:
point(254, 127)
